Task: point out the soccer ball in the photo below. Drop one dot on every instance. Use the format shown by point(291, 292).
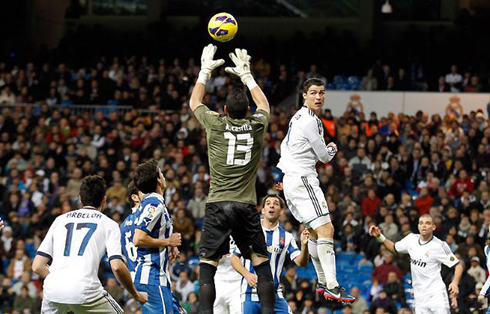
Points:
point(222, 27)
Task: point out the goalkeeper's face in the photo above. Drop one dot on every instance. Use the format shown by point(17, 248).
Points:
point(314, 98)
point(272, 209)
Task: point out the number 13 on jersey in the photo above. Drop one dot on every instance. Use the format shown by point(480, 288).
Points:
point(233, 146)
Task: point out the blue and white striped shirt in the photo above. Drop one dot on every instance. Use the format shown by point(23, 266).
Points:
point(152, 263)
point(485, 290)
point(127, 234)
point(279, 244)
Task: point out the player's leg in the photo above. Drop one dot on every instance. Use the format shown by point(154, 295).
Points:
point(249, 238)
point(251, 307)
point(220, 305)
point(233, 299)
point(312, 250)
point(215, 242)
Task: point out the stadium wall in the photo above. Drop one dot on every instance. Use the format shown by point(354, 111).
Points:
point(405, 102)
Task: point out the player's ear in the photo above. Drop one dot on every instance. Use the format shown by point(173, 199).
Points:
point(304, 95)
point(225, 109)
point(104, 200)
point(135, 198)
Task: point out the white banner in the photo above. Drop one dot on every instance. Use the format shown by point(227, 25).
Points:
point(405, 102)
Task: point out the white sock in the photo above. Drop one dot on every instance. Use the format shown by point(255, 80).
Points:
point(326, 254)
point(312, 249)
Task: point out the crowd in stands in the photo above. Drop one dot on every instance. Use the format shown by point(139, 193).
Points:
point(388, 171)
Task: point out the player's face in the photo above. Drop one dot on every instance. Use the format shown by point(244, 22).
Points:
point(272, 209)
point(426, 226)
point(314, 98)
point(163, 183)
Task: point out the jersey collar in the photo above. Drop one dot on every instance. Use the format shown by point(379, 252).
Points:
point(153, 194)
point(420, 243)
point(89, 208)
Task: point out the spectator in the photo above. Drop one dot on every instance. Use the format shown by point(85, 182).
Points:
point(381, 272)
point(197, 204)
point(395, 290)
point(371, 203)
point(389, 228)
point(359, 164)
point(476, 271)
point(369, 82)
point(383, 302)
point(20, 264)
point(461, 184)
point(25, 281)
point(23, 302)
point(360, 305)
point(454, 79)
point(184, 285)
point(424, 202)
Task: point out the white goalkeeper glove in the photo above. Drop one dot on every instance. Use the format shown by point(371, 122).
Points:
point(208, 64)
point(242, 67)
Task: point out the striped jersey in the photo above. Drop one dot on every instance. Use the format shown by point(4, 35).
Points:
point(152, 263)
point(127, 234)
point(279, 244)
point(485, 290)
point(297, 154)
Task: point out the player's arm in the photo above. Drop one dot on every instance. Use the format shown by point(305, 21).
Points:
point(376, 233)
point(146, 223)
point(325, 153)
point(123, 276)
point(237, 265)
point(454, 285)
point(302, 259)
point(241, 59)
point(143, 239)
point(40, 265)
point(207, 67)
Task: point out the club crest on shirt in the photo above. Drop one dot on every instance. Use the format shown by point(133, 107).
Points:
point(282, 241)
point(427, 253)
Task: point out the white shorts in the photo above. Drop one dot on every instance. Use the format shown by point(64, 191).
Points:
point(306, 200)
point(227, 297)
point(105, 304)
point(428, 310)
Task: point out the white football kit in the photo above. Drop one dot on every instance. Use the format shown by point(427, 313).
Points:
point(75, 245)
point(227, 282)
point(425, 263)
point(301, 149)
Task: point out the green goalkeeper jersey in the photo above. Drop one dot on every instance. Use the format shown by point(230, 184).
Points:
point(234, 150)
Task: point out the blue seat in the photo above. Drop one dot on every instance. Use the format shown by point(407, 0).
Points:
point(366, 268)
point(30, 250)
point(330, 86)
point(339, 79)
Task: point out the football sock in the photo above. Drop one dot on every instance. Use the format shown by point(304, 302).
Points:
point(265, 287)
point(326, 254)
point(207, 290)
point(312, 249)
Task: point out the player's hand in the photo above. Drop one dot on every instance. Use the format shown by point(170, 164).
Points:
point(279, 186)
point(251, 280)
point(141, 297)
point(305, 235)
point(173, 254)
point(482, 302)
point(332, 149)
point(453, 290)
point(374, 231)
point(454, 303)
point(208, 64)
point(175, 240)
point(241, 59)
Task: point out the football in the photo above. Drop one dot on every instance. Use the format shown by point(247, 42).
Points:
point(222, 27)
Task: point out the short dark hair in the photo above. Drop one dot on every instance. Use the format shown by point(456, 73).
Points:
point(237, 103)
point(132, 189)
point(312, 81)
point(92, 190)
point(146, 176)
point(281, 201)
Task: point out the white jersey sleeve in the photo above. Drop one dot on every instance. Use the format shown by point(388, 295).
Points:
point(445, 256)
point(403, 245)
point(113, 241)
point(293, 250)
point(47, 245)
point(486, 287)
point(313, 132)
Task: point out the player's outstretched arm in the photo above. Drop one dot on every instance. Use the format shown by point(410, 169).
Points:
point(207, 67)
point(376, 233)
point(143, 239)
point(241, 59)
point(302, 259)
point(40, 266)
point(249, 277)
point(123, 276)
